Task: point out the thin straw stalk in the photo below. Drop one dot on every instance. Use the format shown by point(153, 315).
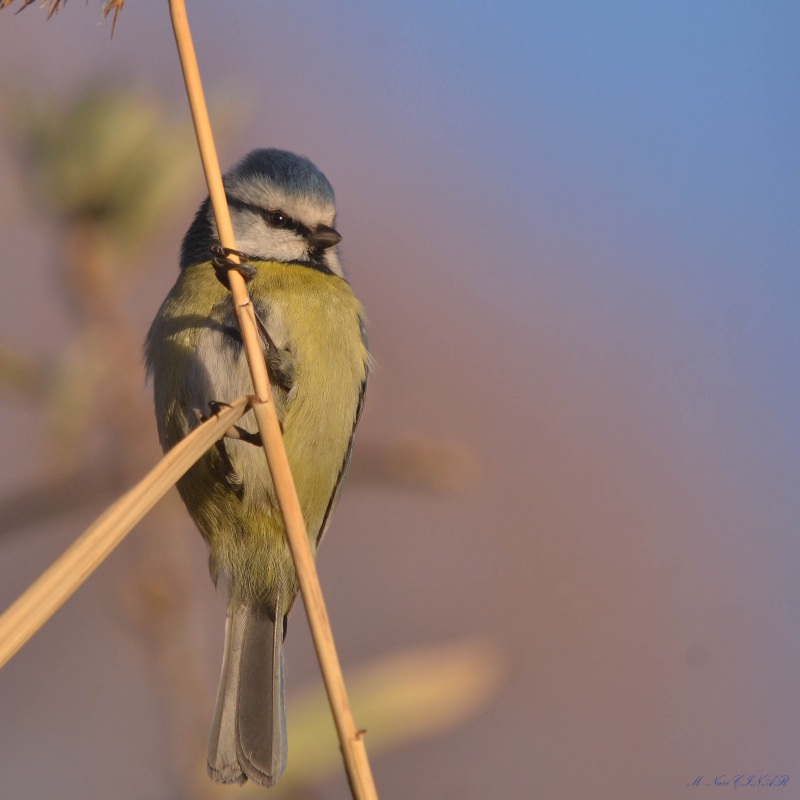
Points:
point(57, 584)
point(355, 756)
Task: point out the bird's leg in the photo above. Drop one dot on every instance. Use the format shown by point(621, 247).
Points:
point(222, 262)
point(235, 431)
point(224, 466)
point(280, 363)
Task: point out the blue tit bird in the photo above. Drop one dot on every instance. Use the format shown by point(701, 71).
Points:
point(312, 330)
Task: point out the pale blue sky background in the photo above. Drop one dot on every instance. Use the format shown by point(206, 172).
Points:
point(640, 153)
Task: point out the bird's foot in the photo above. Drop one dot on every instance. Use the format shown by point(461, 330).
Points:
point(235, 431)
point(222, 262)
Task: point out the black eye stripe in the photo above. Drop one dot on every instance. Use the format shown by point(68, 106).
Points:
point(287, 224)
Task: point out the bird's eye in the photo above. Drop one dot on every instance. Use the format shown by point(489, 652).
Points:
point(277, 219)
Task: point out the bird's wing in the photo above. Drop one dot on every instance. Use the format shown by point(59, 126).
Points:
point(337, 489)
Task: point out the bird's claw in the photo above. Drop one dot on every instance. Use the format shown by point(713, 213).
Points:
point(222, 263)
point(235, 431)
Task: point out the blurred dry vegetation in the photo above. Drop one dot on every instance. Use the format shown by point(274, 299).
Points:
point(53, 6)
point(103, 170)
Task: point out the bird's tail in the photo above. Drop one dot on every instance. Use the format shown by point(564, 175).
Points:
point(248, 733)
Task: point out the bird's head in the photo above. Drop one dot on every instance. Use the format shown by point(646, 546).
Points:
point(282, 209)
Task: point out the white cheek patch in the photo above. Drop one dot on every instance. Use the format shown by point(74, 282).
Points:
point(255, 238)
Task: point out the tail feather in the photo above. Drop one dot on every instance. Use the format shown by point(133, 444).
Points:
point(223, 765)
point(248, 733)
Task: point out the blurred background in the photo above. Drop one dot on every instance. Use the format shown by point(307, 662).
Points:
point(565, 564)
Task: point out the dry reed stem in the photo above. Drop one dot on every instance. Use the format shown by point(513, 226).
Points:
point(46, 595)
point(359, 773)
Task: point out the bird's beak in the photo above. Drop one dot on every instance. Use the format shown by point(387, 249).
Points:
point(323, 237)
